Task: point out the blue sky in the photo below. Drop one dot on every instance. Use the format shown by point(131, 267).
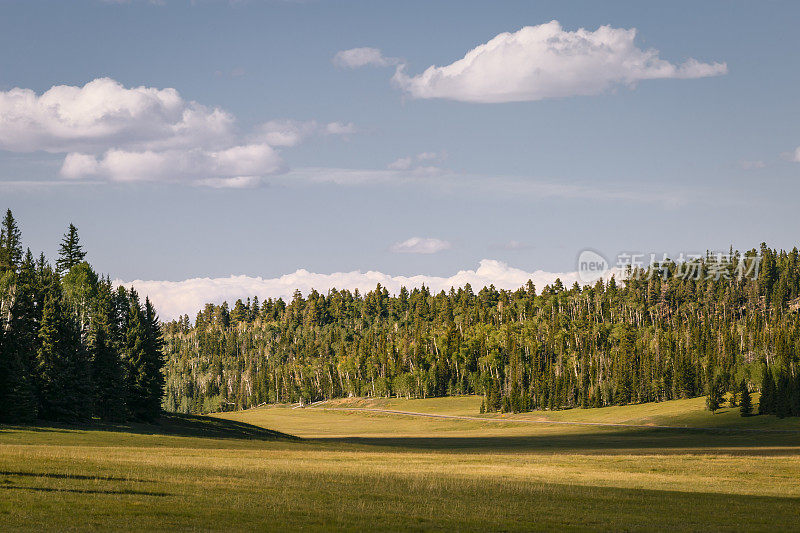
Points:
point(352, 163)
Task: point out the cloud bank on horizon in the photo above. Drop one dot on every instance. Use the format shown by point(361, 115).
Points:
point(538, 62)
point(176, 298)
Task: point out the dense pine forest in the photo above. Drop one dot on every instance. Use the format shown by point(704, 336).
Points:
point(722, 326)
point(73, 348)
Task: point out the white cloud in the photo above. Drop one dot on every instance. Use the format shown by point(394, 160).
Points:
point(103, 114)
point(175, 298)
point(752, 165)
point(288, 132)
point(511, 245)
point(795, 156)
point(546, 61)
point(404, 163)
point(340, 128)
point(111, 132)
point(420, 245)
point(239, 182)
point(420, 164)
point(176, 165)
point(362, 57)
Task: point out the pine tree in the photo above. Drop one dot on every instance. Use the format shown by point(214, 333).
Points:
point(795, 395)
point(144, 360)
point(17, 384)
point(766, 405)
point(65, 393)
point(10, 244)
point(783, 396)
point(714, 399)
point(70, 253)
point(107, 370)
point(155, 361)
point(745, 403)
point(135, 359)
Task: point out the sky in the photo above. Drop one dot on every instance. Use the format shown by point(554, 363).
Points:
point(257, 146)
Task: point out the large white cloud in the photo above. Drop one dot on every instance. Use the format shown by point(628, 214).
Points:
point(111, 132)
point(102, 114)
point(546, 61)
point(175, 298)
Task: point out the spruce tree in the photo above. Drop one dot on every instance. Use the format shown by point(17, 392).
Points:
point(795, 395)
point(783, 396)
point(154, 350)
point(144, 360)
point(135, 358)
point(766, 405)
point(70, 253)
point(745, 403)
point(65, 375)
point(107, 370)
point(18, 390)
point(10, 244)
point(714, 399)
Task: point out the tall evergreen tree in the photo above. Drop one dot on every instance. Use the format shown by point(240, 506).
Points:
point(135, 358)
point(154, 349)
point(745, 402)
point(70, 252)
point(65, 393)
point(107, 370)
point(783, 396)
point(144, 360)
point(10, 244)
point(766, 405)
point(715, 393)
point(17, 392)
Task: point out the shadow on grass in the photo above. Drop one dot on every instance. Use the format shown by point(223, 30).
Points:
point(87, 491)
point(170, 424)
point(606, 441)
point(71, 476)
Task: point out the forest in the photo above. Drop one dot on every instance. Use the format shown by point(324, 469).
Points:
point(730, 328)
point(72, 347)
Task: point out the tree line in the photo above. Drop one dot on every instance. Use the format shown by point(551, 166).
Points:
point(656, 335)
point(72, 347)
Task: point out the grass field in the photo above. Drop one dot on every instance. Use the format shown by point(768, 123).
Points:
point(357, 470)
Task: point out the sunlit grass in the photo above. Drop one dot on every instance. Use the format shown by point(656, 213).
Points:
point(371, 471)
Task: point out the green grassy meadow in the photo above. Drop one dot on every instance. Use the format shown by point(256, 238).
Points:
point(367, 470)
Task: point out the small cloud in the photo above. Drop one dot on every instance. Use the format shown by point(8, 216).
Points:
point(237, 72)
point(239, 182)
point(511, 245)
point(752, 165)
point(404, 163)
point(340, 128)
point(363, 57)
point(420, 245)
point(794, 156)
point(287, 132)
point(416, 163)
